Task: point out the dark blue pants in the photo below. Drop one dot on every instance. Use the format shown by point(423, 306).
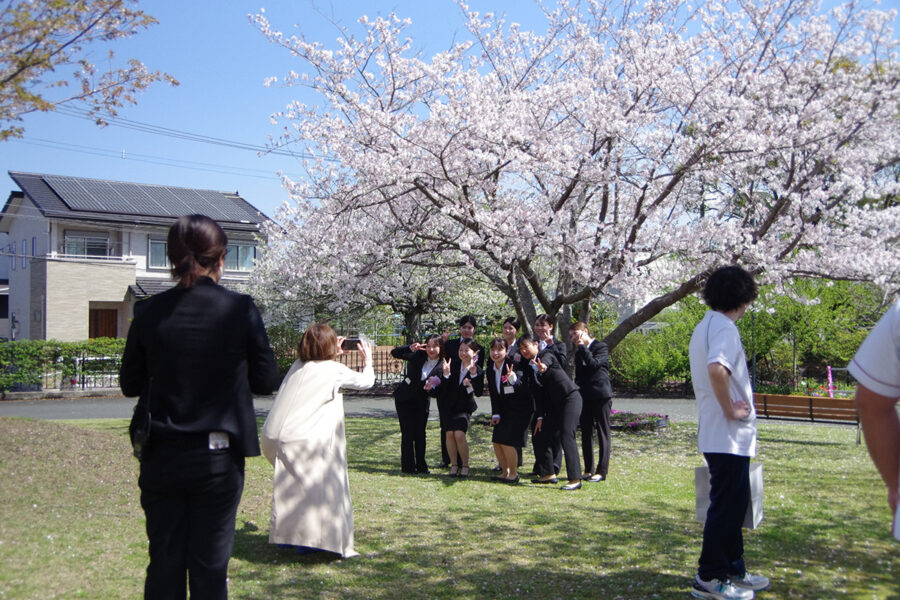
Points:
point(190, 498)
point(413, 417)
point(729, 495)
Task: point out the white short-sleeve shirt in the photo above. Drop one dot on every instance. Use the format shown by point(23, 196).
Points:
point(877, 362)
point(716, 340)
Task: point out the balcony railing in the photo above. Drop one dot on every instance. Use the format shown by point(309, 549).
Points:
point(90, 249)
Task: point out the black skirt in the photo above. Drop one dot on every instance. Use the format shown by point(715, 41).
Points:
point(511, 430)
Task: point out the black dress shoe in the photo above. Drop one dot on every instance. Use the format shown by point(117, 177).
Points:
point(571, 486)
point(551, 480)
point(512, 481)
point(423, 471)
point(496, 468)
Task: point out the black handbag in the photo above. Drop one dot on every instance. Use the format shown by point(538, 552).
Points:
point(139, 429)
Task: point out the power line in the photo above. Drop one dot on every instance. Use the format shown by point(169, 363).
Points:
point(148, 158)
point(184, 135)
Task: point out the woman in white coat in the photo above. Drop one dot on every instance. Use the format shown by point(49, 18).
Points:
point(303, 438)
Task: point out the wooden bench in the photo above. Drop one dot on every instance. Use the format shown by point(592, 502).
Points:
point(818, 409)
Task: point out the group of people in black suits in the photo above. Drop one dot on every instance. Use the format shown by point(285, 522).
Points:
point(529, 389)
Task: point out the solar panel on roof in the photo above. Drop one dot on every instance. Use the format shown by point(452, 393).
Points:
point(96, 195)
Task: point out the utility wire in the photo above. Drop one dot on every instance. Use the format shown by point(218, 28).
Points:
point(184, 135)
point(149, 158)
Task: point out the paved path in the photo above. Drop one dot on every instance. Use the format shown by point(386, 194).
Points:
point(118, 407)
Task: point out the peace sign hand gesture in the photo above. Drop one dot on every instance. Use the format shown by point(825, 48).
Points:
point(540, 365)
point(446, 362)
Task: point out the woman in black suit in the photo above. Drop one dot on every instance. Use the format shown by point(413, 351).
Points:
point(462, 381)
point(558, 408)
point(412, 398)
point(195, 354)
point(592, 378)
point(467, 324)
point(543, 331)
point(511, 410)
point(543, 328)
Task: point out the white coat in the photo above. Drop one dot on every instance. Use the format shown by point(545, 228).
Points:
point(303, 437)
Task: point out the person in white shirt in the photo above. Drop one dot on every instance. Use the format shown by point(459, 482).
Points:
point(876, 367)
point(726, 434)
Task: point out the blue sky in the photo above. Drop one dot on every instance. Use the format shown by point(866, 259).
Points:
point(221, 60)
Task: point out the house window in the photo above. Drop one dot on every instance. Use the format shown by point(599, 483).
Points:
point(240, 257)
point(24, 252)
point(156, 257)
point(86, 244)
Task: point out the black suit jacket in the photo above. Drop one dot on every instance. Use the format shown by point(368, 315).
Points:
point(552, 386)
point(414, 387)
point(592, 370)
point(504, 400)
point(453, 396)
point(205, 350)
point(560, 351)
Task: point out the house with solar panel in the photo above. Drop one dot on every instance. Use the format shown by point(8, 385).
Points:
point(80, 252)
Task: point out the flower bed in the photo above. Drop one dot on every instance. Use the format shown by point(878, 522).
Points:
point(630, 421)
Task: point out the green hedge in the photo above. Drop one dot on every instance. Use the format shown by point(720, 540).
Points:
point(27, 363)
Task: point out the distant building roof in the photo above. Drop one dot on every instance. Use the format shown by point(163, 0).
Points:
point(145, 286)
point(82, 198)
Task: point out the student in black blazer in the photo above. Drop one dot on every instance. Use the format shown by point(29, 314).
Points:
point(467, 326)
point(543, 331)
point(592, 377)
point(511, 328)
point(511, 409)
point(195, 355)
point(412, 398)
point(558, 408)
point(461, 382)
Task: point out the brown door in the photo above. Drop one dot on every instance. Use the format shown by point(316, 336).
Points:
point(103, 322)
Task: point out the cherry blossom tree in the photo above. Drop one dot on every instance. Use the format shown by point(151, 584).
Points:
point(342, 266)
point(625, 151)
point(43, 47)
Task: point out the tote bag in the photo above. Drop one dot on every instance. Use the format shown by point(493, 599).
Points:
point(754, 514)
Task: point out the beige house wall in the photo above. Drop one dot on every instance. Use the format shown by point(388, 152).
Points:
point(74, 287)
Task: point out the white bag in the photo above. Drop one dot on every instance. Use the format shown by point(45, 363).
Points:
point(754, 510)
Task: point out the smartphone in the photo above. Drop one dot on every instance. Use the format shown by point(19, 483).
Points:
point(350, 344)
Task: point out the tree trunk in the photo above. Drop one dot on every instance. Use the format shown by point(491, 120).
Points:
point(653, 308)
point(412, 319)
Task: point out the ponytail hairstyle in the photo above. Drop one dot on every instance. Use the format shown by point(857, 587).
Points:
point(195, 244)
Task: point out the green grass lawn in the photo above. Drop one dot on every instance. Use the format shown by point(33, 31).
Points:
point(72, 526)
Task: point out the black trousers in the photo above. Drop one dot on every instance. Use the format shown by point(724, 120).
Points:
point(722, 554)
point(558, 431)
point(595, 417)
point(536, 449)
point(190, 498)
point(413, 417)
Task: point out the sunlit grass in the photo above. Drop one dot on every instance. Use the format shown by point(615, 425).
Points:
point(72, 524)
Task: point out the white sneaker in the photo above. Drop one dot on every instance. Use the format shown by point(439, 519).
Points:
point(750, 582)
point(719, 590)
